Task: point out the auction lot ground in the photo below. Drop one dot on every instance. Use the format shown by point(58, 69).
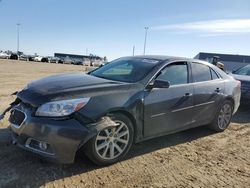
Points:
point(193, 158)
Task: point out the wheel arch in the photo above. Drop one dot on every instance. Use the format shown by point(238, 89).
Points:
point(230, 98)
point(130, 116)
point(107, 117)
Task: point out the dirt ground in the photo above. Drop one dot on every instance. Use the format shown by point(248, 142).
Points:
point(193, 158)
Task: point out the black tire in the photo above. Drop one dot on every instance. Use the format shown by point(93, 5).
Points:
point(91, 147)
point(223, 117)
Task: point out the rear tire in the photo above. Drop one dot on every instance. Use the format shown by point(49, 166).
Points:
point(223, 117)
point(111, 144)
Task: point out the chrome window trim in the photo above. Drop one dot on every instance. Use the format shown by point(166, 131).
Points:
point(207, 81)
point(156, 115)
point(206, 103)
point(180, 109)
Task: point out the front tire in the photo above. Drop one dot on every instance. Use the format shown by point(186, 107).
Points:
point(223, 117)
point(112, 143)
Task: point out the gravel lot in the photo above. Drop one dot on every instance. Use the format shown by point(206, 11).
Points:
point(193, 158)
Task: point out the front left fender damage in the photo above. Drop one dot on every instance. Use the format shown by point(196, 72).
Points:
point(94, 128)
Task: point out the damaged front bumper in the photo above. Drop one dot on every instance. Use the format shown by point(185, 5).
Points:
point(17, 101)
point(53, 139)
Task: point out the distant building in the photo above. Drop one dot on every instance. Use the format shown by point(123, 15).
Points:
point(231, 62)
point(75, 57)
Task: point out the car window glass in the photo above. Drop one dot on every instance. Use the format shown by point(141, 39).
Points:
point(214, 74)
point(201, 72)
point(243, 71)
point(124, 69)
point(175, 74)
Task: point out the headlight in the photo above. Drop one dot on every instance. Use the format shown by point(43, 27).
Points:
point(61, 108)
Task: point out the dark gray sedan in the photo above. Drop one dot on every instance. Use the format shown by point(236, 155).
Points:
point(127, 101)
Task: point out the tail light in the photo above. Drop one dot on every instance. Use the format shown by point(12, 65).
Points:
point(238, 83)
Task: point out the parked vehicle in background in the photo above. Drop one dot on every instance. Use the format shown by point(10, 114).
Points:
point(31, 57)
point(86, 62)
point(243, 75)
point(24, 57)
point(68, 60)
point(98, 63)
point(127, 101)
point(104, 63)
point(38, 58)
point(60, 61)
point(54, 59)
point(45, 60)
point(14, 56)
point(4, 55)
point(78, 62)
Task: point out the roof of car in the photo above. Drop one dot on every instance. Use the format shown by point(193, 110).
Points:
point(161, 57)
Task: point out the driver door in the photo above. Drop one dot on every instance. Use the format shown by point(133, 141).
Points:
point(169, 109)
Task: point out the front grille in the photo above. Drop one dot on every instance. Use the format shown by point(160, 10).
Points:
point(16, 117)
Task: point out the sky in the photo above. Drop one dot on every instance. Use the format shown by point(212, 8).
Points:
point(112, 27)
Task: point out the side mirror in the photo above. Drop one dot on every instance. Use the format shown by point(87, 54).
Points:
point(159, 84)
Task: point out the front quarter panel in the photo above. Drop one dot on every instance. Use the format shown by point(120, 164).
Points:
point(128, 101)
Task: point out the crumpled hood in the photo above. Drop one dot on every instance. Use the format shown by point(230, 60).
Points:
point(65, 86)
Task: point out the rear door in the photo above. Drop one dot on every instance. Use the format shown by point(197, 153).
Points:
point(168, 109)
point(208, 92)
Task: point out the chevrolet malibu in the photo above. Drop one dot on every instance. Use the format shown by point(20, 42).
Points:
point(127, 101)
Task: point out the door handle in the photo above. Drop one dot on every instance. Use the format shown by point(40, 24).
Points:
point(188, 94)
point(217, 90)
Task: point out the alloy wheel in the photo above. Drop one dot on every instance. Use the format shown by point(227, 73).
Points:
point(224, 116)
point(112, 142)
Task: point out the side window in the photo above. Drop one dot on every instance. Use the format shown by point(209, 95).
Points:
point(176, 73)
point(214, 74)
point(201, 72)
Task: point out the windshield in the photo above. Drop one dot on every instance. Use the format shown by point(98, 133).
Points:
point(126, 69)
point(243, 71)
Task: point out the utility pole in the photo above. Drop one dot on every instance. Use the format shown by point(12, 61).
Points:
point(87, 51)
point(133, 50)
point(145, 41)
point(18, 25)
